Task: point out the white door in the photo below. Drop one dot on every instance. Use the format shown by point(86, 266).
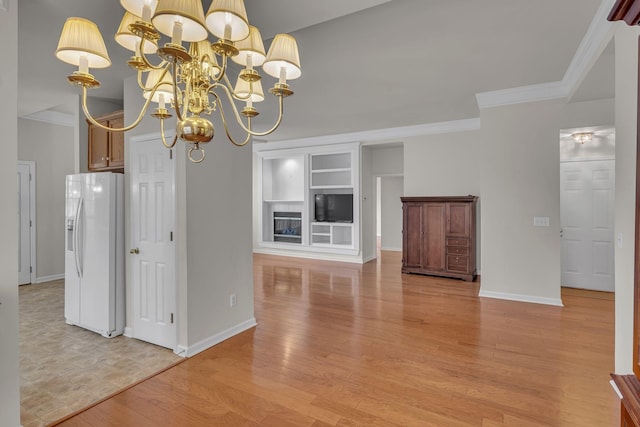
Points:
point(152, 242)
point(24, 223)
point(586, 217)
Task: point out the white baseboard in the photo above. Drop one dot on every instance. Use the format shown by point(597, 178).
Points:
point(310, 255)
point(369, 258)
point(521, 298)
point(208, 342)
point(49, 278)
point(128, 331)
point(383, 248)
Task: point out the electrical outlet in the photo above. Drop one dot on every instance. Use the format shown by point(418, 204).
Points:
point(233, 300)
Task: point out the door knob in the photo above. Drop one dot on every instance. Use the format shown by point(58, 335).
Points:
point(134, 251)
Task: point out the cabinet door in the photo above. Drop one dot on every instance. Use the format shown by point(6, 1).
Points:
point(98, 147)
point(458, 219)
point(412, 231)
point(116, 144)
point(433, 244)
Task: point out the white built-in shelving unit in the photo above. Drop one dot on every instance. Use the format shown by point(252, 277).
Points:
point(290, 180)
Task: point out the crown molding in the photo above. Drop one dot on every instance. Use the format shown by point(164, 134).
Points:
point(52, 117)
point(595, 41)
point(520, 95)
point(597, 37)
point(375, 136)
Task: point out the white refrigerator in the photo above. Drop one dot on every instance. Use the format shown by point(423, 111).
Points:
point(94, 253)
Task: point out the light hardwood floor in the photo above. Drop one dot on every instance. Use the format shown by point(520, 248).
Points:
point(348, 345)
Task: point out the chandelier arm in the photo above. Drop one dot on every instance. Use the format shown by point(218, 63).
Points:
point(110, 129)
point(226, 128)
point(146, 61)
point(239, 119)
point(176, 106)
point(164, 141)
point(223, 69)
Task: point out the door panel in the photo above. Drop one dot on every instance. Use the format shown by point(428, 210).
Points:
point(412, 250)
point(152, 225)
point(586, 208)
point(434, 233)
point(458, 214)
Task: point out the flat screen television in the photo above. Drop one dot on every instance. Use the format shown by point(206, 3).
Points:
point(334, 207)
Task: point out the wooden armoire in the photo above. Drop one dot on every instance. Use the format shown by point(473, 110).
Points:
point(439, 236)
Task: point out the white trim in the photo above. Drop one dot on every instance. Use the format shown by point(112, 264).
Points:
point(128, 332)
point(587, 159)
point(382, 248)
point(593, 43)
point(521, 298)
point(522, 94)
point(598, 35)
point(53, 117)
point(206, 343)
point(49, 278)
point(32, 217)
point(369, 258)
point(616, 389)
point(308, 253)
point(369, 136)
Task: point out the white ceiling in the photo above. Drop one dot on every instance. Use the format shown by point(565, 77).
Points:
point(366, 64)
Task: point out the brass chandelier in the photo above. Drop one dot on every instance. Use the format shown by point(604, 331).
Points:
point(192, 82)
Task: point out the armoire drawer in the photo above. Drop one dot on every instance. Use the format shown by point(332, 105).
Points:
point(458, 263)
point(457, 250)
point(457, 241)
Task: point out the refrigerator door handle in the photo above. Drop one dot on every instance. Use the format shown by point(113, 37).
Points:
point(78, 249)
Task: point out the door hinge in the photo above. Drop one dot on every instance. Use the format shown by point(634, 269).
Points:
point(171, 154)
point(171, 318)
point(171, 236)
point(29, 177)
point(30, 223)
point(30, 269)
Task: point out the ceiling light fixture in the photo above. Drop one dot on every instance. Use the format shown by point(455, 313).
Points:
point(582, 137)
point(193, 82)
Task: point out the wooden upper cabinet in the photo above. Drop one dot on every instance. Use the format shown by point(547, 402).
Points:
point(106, 149)
point(438, 236)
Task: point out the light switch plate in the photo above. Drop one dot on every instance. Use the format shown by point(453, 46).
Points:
point(540, 221)
point(4, 5)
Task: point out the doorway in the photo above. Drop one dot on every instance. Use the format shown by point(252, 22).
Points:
point(587, 189)
point(26, 221)
point(389, 189)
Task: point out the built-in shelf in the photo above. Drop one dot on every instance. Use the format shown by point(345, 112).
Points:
point(290, 181)
point(331, 170)
point(335, 234)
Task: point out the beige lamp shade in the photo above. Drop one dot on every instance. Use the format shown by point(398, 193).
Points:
point(81, 38)
point(243, 89)
point(188, 12)
point(136, 7)
point(253, 46)
point(203, 49)
point(227, 19)
point(283, 53)
point(166, 87)
point(128, 40)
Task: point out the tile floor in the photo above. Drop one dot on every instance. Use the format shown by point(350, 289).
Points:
point(64, 368)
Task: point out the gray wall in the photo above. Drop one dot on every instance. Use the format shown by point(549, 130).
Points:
point(214, 241)
point(626, 40)
point(520, 177)
point(9, 362)
point(51, 148)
